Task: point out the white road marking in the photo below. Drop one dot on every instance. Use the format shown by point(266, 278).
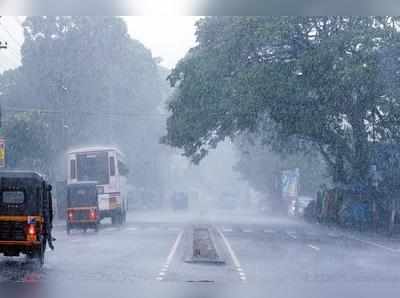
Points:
point(373, 244)
point(235, 260)
point(132, 229)
point(227, 230)
point(269, 231)
point(164, 270)
point(291, 235)
point(313, 247)
point(247, 231)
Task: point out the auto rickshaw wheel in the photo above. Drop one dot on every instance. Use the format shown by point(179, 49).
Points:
point(40, 252)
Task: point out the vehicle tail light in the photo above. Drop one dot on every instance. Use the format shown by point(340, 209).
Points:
point(31, 233)
point(70, 215)
point(92, 214)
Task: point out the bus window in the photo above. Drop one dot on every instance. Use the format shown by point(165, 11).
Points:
point(73, 169)
point(112, 166)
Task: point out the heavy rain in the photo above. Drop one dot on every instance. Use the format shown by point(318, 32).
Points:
point(220, 156)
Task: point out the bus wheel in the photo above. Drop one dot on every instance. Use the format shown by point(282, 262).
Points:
point(124, 218)
point(114, 220)
point(121, 218)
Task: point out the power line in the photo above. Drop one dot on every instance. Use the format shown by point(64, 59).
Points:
point(109, 114)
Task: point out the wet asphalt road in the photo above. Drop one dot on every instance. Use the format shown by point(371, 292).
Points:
point(265, 257)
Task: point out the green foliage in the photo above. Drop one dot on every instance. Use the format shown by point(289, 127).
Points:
point(328, 81)
point(27, 143)
point(263, 167)
point(93, 84)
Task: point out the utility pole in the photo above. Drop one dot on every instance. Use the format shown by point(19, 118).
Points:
point(3, 46)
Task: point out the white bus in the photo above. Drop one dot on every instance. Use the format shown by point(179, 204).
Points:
point(106, 166)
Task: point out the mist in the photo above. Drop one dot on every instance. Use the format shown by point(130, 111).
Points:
point(264, 160)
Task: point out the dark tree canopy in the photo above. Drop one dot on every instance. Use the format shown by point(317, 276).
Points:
point(329, 81)
point(88, 82)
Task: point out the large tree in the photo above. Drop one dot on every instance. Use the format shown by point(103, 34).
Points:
point(92, 84)
point(331, 82)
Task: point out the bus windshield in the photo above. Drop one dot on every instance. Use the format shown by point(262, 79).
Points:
point(93, 167)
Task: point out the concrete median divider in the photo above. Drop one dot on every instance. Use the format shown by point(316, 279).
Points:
point(203, 246)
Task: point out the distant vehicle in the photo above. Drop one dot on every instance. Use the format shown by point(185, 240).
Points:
point(180, 201)
point(292, 208)
point(82, 206)
point(26, 214)
point(301, 204)
point(105, 166)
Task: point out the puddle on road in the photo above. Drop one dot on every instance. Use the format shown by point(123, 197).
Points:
point(20, 270)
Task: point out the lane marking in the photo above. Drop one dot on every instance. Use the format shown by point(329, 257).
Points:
point(291, 235)
point(373, 244)
point(227, 229)
point(235, 260)
point(313, 247)
point(247, 231)
point(268, 231)
point(164, 270)
point(132, 229)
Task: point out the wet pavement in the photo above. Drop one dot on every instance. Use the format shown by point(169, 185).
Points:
point(264, 257)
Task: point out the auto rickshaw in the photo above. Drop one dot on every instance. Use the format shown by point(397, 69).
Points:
point(26, 214)
point(82, 206)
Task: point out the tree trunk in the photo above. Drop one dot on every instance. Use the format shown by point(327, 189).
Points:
point(360, 163)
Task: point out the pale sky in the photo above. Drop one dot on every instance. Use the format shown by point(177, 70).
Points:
point(168, 37)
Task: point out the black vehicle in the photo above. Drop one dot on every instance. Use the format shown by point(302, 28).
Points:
point(26, 214)
point(82, 206)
